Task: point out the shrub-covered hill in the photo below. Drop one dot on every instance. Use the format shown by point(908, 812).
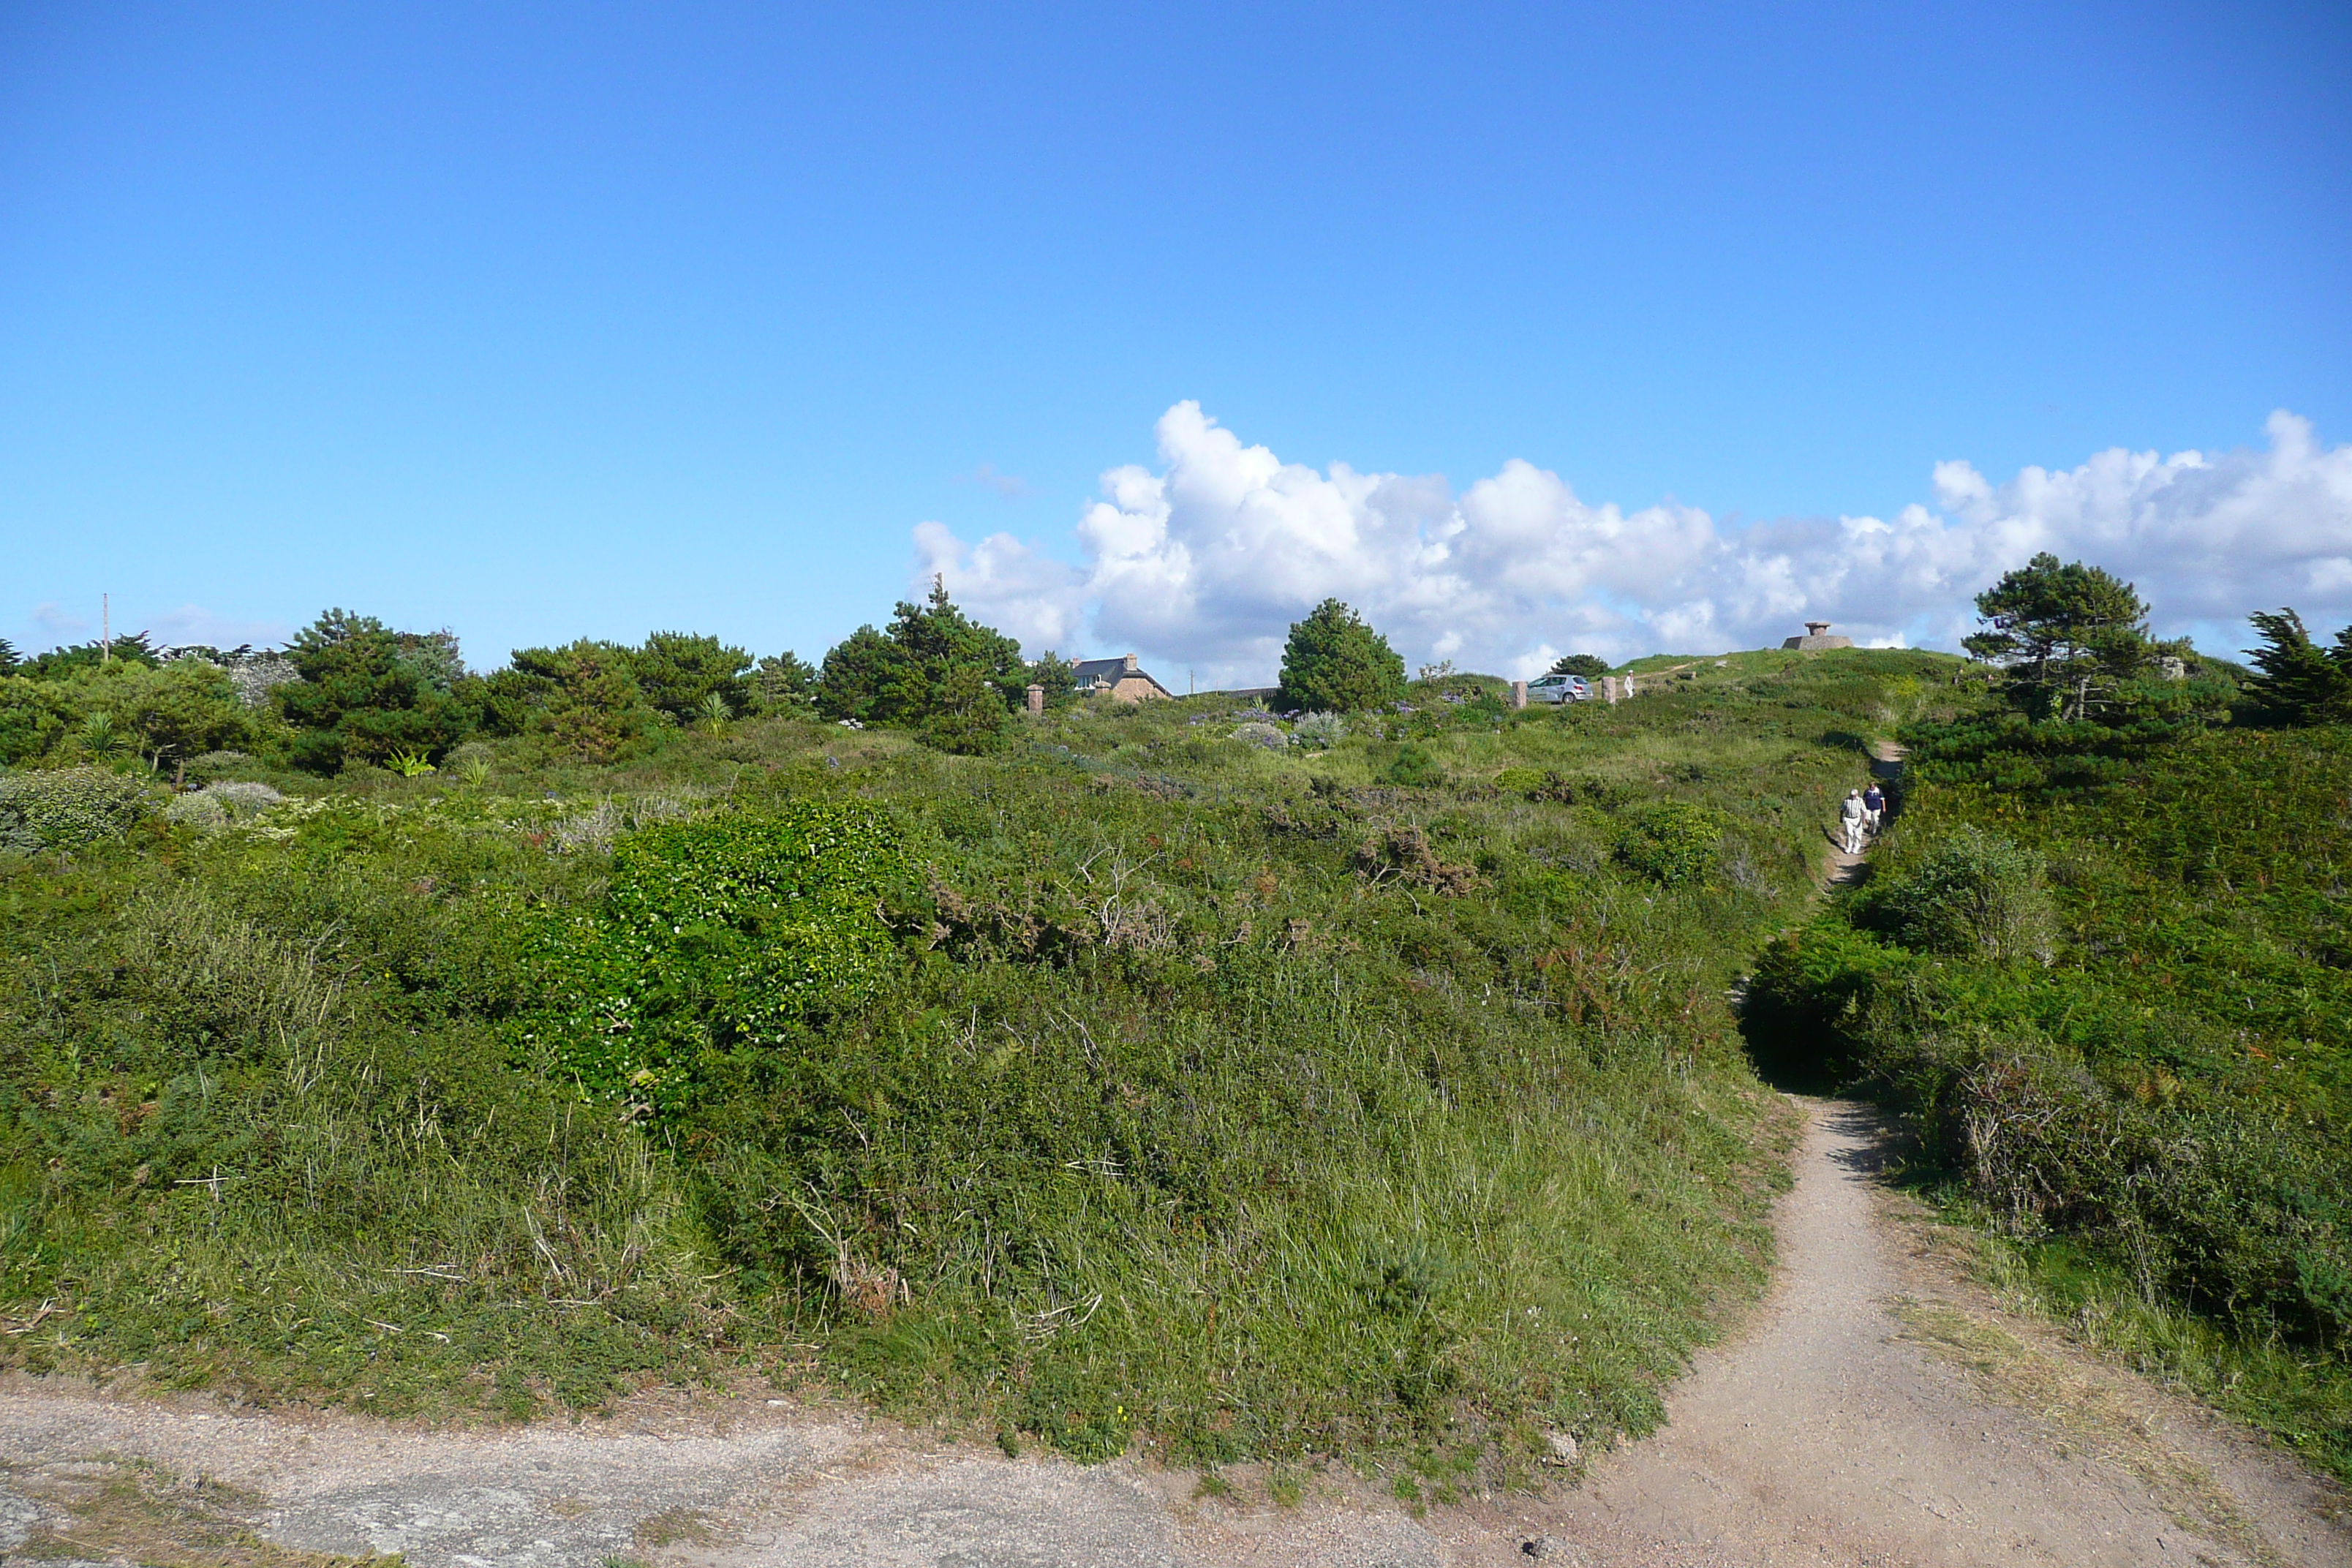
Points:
point(2107, 975)
point(1177, 1075)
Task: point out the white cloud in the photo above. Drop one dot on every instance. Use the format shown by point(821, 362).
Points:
point(192, 625)
point(59, 626)
point(1204, 563)
point(1010, 486)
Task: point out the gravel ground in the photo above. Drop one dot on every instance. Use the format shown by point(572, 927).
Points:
point(1878, 1409)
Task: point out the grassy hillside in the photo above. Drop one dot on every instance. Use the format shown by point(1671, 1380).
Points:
point(2108, 976)
point(1379, 1099)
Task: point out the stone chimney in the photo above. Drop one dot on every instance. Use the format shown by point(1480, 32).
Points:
point(1131, 664)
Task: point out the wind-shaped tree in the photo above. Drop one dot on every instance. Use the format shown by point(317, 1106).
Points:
point(2066, 633)
point(2301, 683)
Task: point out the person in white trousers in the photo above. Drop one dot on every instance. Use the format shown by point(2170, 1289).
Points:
point(1853, 817)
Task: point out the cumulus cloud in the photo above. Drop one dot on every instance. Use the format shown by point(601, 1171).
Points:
point(1204, 563)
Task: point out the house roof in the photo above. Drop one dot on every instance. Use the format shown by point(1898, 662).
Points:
point(1110, 671)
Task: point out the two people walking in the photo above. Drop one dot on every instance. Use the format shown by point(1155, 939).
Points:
point(1859, 815)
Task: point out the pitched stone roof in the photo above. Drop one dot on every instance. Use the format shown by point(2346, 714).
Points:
point(1110, 672)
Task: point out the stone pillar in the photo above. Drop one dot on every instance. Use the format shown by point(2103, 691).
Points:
point(1609, 689)
point(1036, 699)
point(1518, 694)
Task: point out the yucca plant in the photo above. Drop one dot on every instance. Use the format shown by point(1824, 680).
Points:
point(100, 736)
point(714, 714)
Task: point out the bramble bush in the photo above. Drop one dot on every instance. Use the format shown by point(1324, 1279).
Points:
point(1973, 893)
point(1671, 842)
point(716, 938)
point(65, 809)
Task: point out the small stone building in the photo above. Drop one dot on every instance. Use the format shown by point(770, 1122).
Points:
point(1119, 677)
point(1817, 638)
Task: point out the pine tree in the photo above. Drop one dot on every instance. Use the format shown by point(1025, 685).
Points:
point(2067, 633)
point(2301, 683)
point(1335, 663)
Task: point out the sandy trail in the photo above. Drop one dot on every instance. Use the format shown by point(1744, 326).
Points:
point(1877, 1409)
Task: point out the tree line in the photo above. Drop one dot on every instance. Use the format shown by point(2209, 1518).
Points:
point(2071, 641)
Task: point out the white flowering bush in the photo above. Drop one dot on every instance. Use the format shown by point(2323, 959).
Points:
point(1319, 731)
point(222, 805)
point(197, 808)
point(596, 829)
point(1266, 735)
point(64, 808)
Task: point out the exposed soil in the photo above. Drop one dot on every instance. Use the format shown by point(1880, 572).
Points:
point(1877, 1409)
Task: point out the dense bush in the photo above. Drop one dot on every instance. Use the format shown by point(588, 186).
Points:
point(167, 712)
point(1671, 842)
point(1334, 662)
point(68, 807)
point(369, 693)
point(715, 939)
point(1973, 893)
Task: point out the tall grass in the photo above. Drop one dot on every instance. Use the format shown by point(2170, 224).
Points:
point(1236, 1100)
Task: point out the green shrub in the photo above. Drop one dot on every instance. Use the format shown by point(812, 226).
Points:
point(715, 936)
point(1336, 663)
point(1416, 768)
point(68, 807)
point(368, 691)
point(1671, 842)
point(1319, 731)
point(1973, 892)
point(34, 714)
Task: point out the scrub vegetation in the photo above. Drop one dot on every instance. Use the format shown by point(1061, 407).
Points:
point(1360, 1083)
point(2102, 965)
point(1370, 1093)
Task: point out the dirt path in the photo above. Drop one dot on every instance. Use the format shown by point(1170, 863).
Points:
point(1878, 1409)
point(1881, 1411)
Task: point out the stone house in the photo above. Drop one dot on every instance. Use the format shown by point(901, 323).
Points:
point(1119, 677)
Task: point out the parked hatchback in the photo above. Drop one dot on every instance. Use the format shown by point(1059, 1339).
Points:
point(1558, 689)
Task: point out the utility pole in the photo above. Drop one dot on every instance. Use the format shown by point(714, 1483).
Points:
point(105, 628)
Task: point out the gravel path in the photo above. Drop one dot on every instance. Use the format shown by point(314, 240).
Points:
point(1878, 1409)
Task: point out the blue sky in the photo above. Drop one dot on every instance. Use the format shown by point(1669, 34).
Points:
point(547, 321)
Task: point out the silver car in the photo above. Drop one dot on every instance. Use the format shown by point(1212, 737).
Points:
point(1558, 689)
